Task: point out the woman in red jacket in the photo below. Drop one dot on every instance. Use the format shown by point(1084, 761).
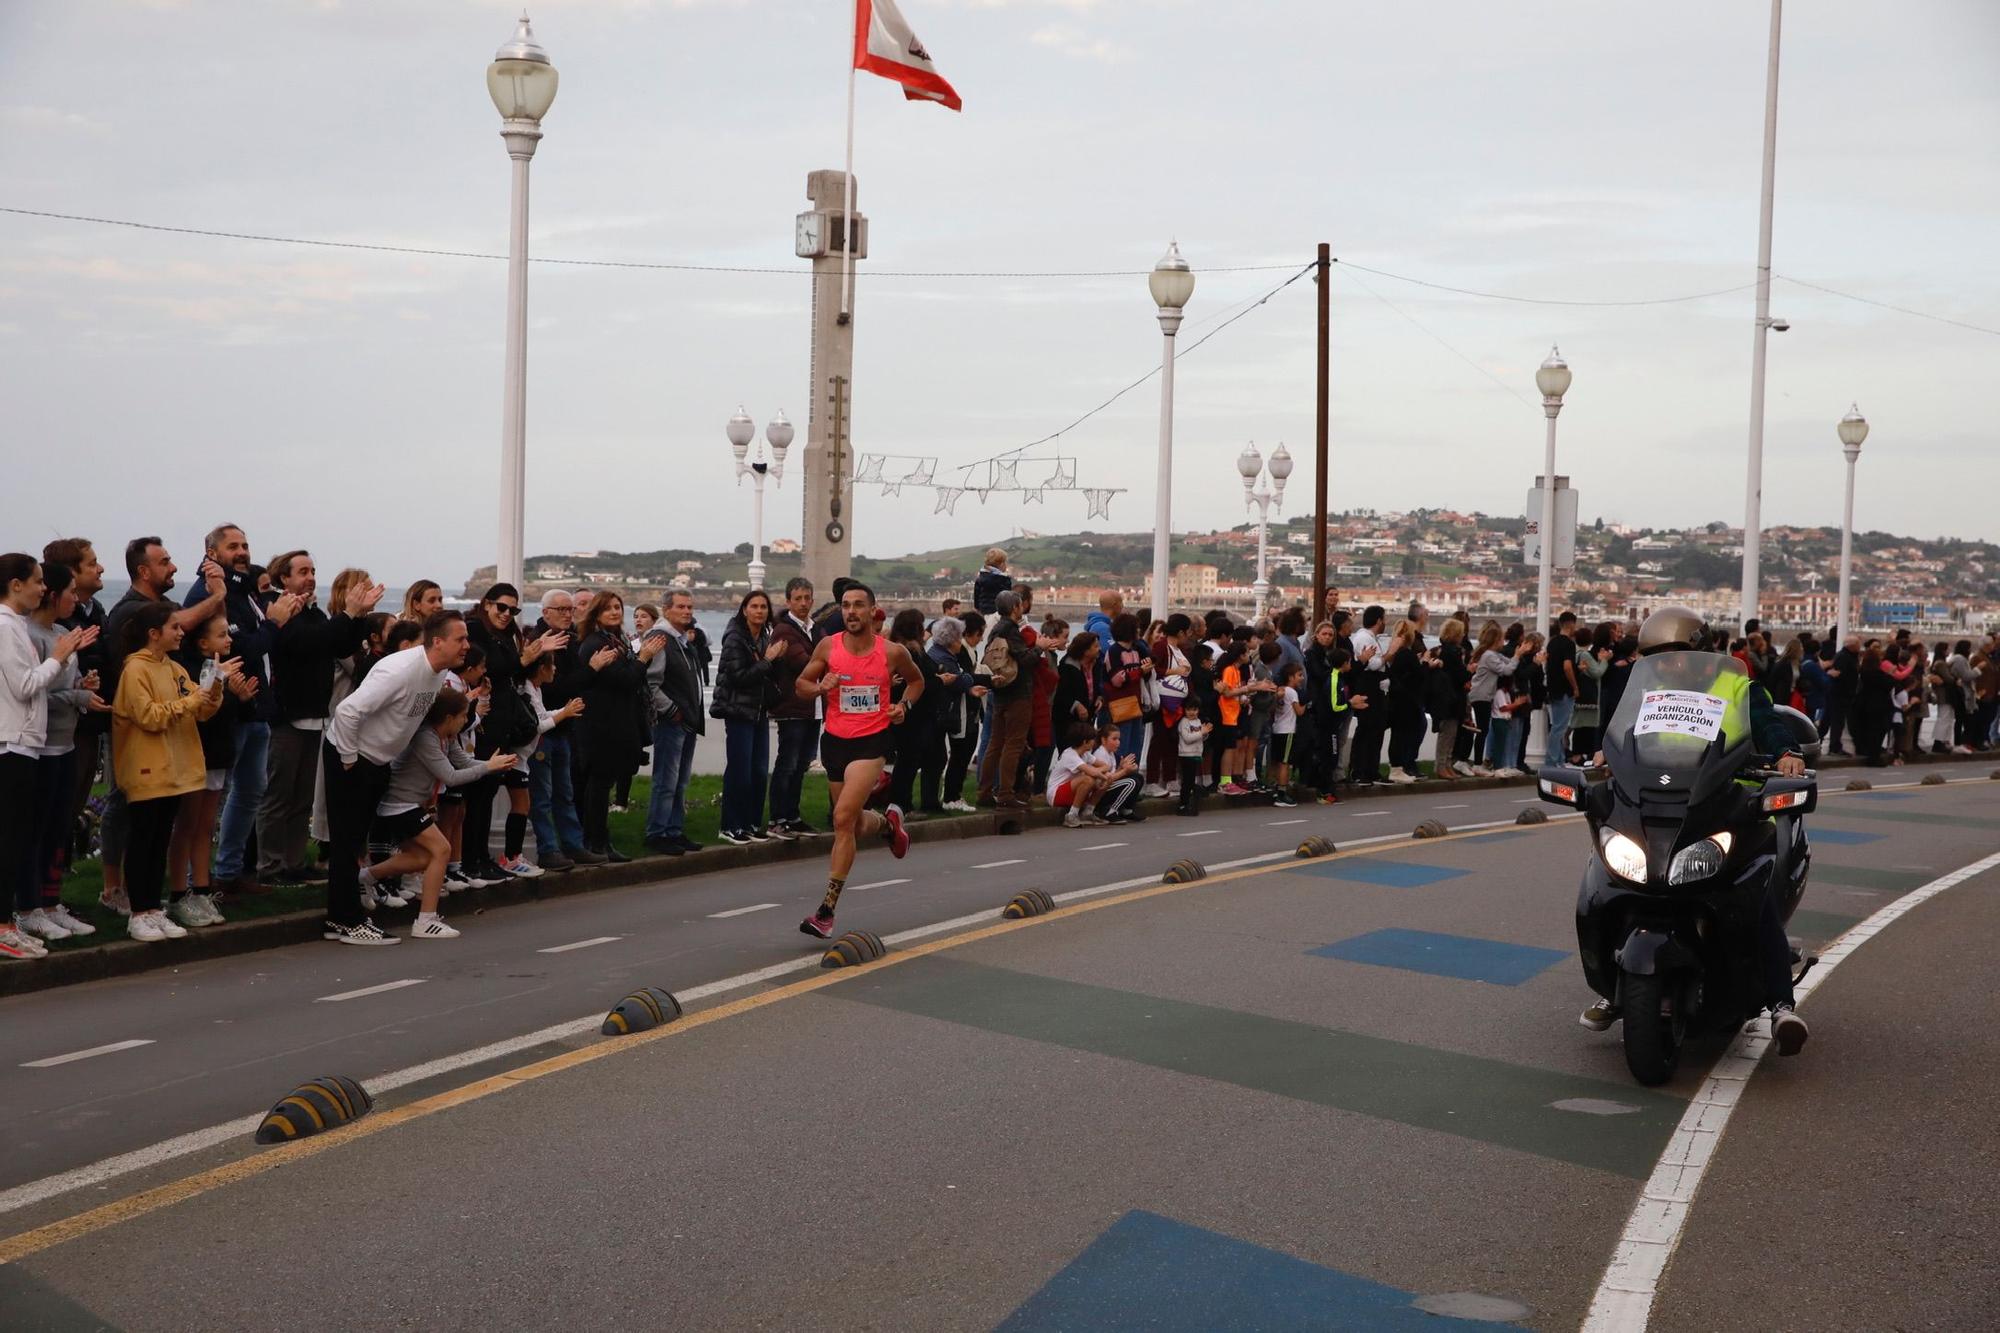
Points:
point(1053, 638)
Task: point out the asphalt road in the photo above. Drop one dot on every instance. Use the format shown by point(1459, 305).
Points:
point(1309, 1094)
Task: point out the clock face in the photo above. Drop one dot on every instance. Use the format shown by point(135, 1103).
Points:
point(811, 239)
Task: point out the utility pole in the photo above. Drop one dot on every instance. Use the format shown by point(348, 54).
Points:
point(1325, 280)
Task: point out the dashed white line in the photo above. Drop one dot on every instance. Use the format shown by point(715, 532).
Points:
point(371, 990)
point(878, 884)
point(74, 1056)
point(1198, 833)
point(581, 944)
point(1280, 823)
point(995, 865)
point(1450, 807)
point(741, 911)
point(1368, 814)
point(1532, 800)
point(1106, 846)
point(1624, 1299)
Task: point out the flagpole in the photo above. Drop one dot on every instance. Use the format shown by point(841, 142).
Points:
point(847, 208)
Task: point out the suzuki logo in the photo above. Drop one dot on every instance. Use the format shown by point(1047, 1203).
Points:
point(1666, 780)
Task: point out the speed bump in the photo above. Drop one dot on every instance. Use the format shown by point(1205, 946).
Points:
point(642, 1009)
point(1995, 775)
point(1184, 872)
point(1860, 784)
point(310, 1108)
point(1315, 846)
point(1933, 780)
point(853, 949)
point(1430, 828)
point(1029, 902)
point(1532, 816)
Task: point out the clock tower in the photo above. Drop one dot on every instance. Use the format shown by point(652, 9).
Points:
point(829, 456)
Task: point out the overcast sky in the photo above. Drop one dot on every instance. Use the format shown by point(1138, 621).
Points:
point(350, 401)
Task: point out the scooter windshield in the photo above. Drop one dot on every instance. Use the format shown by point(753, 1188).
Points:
point(1673, 714)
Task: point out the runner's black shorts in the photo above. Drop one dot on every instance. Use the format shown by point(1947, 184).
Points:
point(395, 830)
point(837, 752)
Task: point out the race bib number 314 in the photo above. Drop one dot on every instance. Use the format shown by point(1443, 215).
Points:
point(861, 698)
point(1680, 713)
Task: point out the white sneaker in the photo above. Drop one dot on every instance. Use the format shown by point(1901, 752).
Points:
point(391, 895)
point(214, 910)
point(1510, 773)
point(145, 927)
point(15, 944)
point(1400, 778)
point(368, 896)
point(1173, 789)
point(1481, 771)
point(1152, 789)
point(187, 911)
point(1463, 769)
point(1074, 819)
point(114, 900)
point(960, 806)
point(38, 922)
point(430, 926)
point(69, 921)
point(168, 927)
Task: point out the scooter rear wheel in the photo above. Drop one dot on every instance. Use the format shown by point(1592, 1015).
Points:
point(1654, 1027)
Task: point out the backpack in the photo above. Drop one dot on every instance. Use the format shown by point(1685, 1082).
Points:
point(1001, 662)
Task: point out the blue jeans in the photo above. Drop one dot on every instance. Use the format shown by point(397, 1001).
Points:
point(673, 764)
point(1560, 712)
point(1500, 742)
point(552, 798)
point(247, 779)
point(1132, 740)
point(745, 773)
point(798, 739)
point(985, 732)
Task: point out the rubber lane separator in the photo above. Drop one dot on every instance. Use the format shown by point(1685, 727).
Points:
point(167, 1150)
point(741, 911)
point(371, 990)
point(74, 1056)
point(582, 944)
point(1624, 1299)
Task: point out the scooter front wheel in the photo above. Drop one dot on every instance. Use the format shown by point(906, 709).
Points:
point(1654, 1026)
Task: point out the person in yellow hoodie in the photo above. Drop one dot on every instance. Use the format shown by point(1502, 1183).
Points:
point(156, 751)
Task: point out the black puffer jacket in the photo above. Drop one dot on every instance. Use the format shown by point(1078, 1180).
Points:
point(745, 680)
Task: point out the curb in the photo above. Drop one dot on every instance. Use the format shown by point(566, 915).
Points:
point(123, 958)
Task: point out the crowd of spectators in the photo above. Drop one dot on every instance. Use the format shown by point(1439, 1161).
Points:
point(240, 722)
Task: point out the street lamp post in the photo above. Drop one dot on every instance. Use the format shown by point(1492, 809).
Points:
point(1171, 283)
point(741, 430)
point(1552, 378)
point(1248, 465)
point(523, 85)
point(1764, 326)
point(1853, 430)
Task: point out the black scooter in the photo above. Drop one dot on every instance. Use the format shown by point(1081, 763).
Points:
point(1687, 839)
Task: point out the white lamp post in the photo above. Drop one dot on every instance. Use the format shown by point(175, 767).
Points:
point(523, 85)
point(1248, 465)
point(1853, 430)
point(1764, 325)
point(1171, 283)
point(1552, 378)
point(741, 430)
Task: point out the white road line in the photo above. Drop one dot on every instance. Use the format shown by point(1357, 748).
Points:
point(1280, 823)
point(140, 1159)
point(371, 990)
point(1368, 814)
point(1106, 846)
point(995, 865)
point(878, 884)
point(74, 1056)
point(582, 944)
point(1624, 1299)
point(1532, 800)
point(1198, 833)
point(1450, 807)
point(741, 911)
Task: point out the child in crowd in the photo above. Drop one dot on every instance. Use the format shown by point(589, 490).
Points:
point(1500, 738)
point(190, 901)
point(1117, 802)
point(1224, 743)
point(432, 762)
point(1285, 713)
point(1192, 735)
point(1075, 778)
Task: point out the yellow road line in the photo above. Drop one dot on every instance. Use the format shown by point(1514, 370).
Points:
point(34, 1241)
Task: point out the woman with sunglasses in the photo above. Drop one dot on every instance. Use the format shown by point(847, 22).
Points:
point(510, 723)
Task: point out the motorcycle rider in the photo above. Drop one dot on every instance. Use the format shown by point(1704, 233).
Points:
point(1676, 629)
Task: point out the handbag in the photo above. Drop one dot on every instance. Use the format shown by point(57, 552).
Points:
point(1127, 709)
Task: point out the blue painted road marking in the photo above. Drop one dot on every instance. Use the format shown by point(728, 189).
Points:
point(1458, 956)
point(1152, 1272)
point(1390, 874)
point(1840, 837)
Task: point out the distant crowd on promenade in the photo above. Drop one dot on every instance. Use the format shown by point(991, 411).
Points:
point(252, 731)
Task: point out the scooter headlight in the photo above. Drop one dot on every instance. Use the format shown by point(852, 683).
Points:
point(1624, 857)
point(1701, 861)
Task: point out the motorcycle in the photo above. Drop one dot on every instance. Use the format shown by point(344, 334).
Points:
point(1687, 838)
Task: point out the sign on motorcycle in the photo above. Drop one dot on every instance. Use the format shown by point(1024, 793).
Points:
point(1680, 713)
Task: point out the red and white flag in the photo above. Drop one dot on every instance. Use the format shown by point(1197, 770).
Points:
point(884, 44)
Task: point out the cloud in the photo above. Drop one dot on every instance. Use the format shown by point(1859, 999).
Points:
point(50, 120)
point(1079, 45)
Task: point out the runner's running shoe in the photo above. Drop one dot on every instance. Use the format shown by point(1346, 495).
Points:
point(822, 926)
point(892, 828)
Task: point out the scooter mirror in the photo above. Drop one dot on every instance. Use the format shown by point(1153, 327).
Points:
point(1805, 734)
point(1562, 785)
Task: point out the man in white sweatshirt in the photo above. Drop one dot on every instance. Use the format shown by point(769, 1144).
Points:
point(366, 733)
